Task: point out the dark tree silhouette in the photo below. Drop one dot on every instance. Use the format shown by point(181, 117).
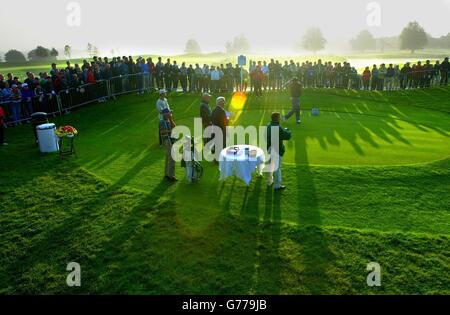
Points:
point(413, 37)
point(39, 53)
point(54, 53)
point(15, 56)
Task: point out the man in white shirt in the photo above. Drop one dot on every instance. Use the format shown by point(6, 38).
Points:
point(215, 77)
point(161, 104)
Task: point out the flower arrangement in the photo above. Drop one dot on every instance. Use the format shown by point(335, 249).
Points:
point(66, 131)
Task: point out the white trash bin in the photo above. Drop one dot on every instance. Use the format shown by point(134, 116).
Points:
point(48, 140)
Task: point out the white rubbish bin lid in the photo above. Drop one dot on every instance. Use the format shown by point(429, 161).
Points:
point(46, 126)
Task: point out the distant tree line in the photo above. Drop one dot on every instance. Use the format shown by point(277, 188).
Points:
point(238, 45)
point(413, 37)
point(40, 53)
point(15, 56)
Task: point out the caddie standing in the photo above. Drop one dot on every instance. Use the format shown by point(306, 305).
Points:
point(166, 124)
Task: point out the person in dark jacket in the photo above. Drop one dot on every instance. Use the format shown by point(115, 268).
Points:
point(258, 78)
point(296, 92)
point(159, 74)
point(2, 132)
point(219, 119)
point(191, 78)
point(183, 76)
point(205, 114)
point(168, 75)
point(276, 151)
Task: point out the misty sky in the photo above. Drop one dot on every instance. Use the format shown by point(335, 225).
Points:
point(164, 26)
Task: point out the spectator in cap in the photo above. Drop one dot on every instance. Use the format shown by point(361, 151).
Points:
point(27, 99)
point(166, 124)
point(161, 104)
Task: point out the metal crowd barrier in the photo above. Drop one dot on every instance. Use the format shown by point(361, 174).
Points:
point(65, 100)
point(82, 95)
point(47, 102)
point(129, 83)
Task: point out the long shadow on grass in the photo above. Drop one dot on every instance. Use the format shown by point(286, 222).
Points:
point(316, 255)
point(266, 269)
point(145, 162)
point(116, 273)
point(269, 257)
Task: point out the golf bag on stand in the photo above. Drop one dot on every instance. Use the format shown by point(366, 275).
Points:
point(193, 167)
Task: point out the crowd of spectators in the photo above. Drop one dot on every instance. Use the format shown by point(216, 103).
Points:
point(39, 93)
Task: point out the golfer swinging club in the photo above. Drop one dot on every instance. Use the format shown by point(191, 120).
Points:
point(296, 92)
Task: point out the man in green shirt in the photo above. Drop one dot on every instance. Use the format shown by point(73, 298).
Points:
point(276, 151)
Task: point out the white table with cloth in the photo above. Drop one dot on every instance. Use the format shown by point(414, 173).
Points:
point(241, 161)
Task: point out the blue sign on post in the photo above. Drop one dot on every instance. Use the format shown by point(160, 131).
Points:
point(242, 60)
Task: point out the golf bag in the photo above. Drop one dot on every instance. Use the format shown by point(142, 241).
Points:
point(194, 171)
point(193, 167)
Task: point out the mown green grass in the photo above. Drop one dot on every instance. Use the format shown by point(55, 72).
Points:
point(351, 199)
